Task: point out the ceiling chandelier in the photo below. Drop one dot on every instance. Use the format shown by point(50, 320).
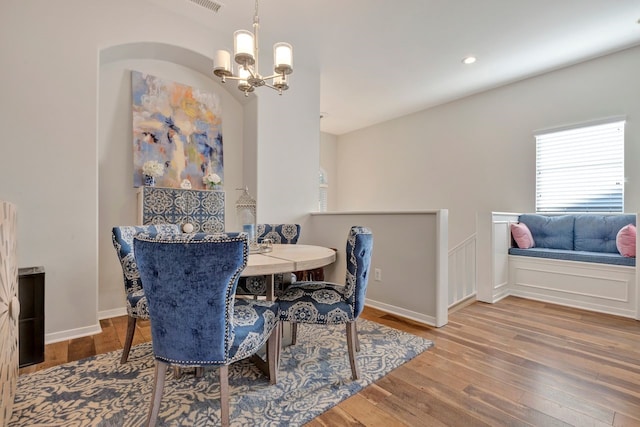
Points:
point(245, 52)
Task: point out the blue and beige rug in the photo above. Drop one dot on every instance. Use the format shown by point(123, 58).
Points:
point(314, 376)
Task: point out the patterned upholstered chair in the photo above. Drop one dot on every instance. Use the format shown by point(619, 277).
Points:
point(279, 234)
point(122, 238)
point(324, 303)
point(190, 282)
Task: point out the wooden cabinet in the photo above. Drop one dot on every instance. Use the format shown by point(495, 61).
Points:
point(204, 209)
point(31, 324)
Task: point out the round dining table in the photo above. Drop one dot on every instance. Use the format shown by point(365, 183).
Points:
point(283, 258)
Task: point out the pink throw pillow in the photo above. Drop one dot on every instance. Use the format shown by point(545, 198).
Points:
point(626, 241)
point(522, 235)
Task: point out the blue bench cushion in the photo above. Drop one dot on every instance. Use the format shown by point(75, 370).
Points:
point(597, 233)
point(569, 255)
point(553, 232)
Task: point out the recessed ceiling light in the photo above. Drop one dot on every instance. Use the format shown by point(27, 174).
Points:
point(468, 60)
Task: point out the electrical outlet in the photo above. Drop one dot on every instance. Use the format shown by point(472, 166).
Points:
point(377, 273)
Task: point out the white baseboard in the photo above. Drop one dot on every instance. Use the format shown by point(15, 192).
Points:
point(86, 331)
point(403, 312)
point(114, 312)
point(72, 333)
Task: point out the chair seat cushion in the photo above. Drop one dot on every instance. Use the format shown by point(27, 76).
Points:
point(253, 322)
point(315, 302)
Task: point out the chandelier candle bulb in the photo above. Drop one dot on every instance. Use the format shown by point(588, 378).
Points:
point(243, 83)
point(222, 61)
point(243, 47)
point(283, 58)
point(280, 83)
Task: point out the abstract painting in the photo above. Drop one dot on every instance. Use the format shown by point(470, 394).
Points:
point(179, 127)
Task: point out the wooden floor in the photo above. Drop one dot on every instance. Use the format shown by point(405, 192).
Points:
point(514, 363)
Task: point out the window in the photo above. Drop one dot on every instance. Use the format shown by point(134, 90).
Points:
point(581, 169)
point(324, 187)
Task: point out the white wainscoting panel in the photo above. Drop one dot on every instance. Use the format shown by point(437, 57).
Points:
point(500, 244)
point(599, 287)
point(462, 271)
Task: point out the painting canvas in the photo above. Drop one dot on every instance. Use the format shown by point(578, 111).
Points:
point(179, 127)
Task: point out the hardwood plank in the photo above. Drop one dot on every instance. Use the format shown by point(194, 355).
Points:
point(108, 340)
point(367, 413)
point(622, 420)
point(336, 416)
point(80, 348)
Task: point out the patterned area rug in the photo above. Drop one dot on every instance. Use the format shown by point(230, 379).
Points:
point(314, 376)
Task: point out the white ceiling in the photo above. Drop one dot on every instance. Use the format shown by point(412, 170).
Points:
point(379, 60)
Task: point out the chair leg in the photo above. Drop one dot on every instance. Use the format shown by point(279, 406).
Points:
point(156, 396)
point(273, 354)
point(177, 372)
point(224, 395)
point(131, 328)
point(352, 338)
point(294, 333)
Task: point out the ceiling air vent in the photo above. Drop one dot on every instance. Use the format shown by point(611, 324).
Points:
point(209, 4)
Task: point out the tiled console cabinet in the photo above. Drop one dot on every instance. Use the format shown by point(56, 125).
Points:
point(204, 209)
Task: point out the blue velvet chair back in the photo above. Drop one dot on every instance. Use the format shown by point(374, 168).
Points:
point(190, 281)
point(359, 250)
point(122, 238)
point(279, 233)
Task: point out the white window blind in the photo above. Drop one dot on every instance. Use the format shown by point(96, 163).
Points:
point(581, 169)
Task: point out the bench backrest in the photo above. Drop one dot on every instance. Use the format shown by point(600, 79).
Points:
point(580, 232)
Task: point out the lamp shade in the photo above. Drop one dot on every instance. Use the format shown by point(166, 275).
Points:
point(222, 63)
point(243, 81)
point(280, 83)
point(243, 47)
point(283, 58)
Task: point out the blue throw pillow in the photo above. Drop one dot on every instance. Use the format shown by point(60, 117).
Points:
point(597, 233)
point(553, 232)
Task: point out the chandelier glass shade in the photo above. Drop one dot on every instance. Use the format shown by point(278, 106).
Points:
point(245, 55)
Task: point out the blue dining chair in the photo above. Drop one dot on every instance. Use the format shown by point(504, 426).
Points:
point(122, 238)
point(279, 234)
point(196, 321)
point(325, 303)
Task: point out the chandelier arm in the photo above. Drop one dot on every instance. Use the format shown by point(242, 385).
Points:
point(273, 76)
point(277, 89)
point(253, 73)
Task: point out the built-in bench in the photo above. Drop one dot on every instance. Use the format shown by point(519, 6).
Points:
point(575, 261)
point(584, 237)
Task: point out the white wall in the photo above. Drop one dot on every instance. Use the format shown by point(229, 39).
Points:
point(50, 163)
point(477, 154)
point(288, 150)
